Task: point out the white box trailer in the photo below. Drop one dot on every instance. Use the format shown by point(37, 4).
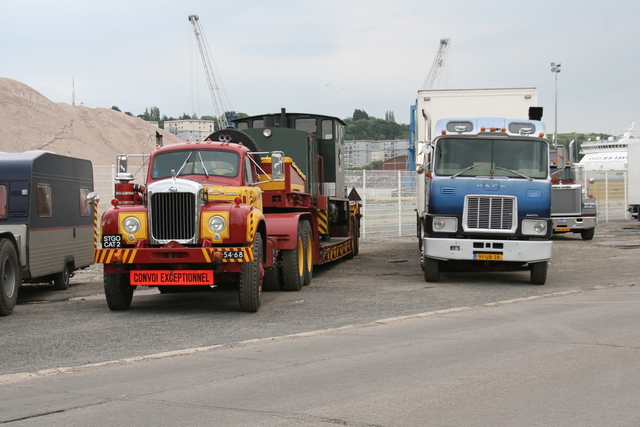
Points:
point(633, 178)
point(433, 105)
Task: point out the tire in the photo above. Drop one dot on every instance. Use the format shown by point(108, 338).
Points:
point(271, 280)
point(293, 265)
point(9, 277)
point(308, 252)
point(61, 280)
point(250, 282)
point(588, 233)
point(118, 291)
point(431, 270)
point(539, 272)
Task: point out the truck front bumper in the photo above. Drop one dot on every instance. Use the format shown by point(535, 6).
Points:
point(563, 224)
point(478, 249)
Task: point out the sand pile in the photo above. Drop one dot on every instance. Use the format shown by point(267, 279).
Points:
point(30, 121)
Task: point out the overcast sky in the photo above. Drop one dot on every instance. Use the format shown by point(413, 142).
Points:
point(327, 56)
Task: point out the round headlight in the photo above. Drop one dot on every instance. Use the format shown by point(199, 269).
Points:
point(540, 227)
point(131, 225)
point(438, 224)
point(266, 133)
point(217, 224)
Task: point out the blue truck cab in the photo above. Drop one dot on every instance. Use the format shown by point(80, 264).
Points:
point(487, 197)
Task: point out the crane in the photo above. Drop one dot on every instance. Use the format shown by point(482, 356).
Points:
point(438, 64)
point(221, 102)
point(436, 68)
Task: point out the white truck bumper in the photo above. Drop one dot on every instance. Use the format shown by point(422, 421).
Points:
point(470, 249)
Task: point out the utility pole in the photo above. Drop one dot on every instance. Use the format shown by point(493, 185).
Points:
point(555, 69)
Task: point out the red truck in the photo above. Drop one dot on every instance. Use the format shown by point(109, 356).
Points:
point(221, 211)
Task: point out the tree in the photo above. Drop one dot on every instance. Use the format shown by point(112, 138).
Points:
point(359, 115)
point(389, 117)
point(151, 114)
point(115, 108)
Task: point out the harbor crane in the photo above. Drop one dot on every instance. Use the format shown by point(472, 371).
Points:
point(436, 69)
point(221, 103)
point(438, 64)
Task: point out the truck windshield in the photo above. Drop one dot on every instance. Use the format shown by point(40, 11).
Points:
point(515, 158)
point(196, 162)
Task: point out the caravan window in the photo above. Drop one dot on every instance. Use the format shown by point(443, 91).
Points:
point(44, 200)
point(85, 206)
point(3, 201)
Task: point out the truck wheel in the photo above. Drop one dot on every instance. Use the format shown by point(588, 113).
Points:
point(250, 282)
point(61, 280)
point(308, 253)
point(9, 277)
point(118, 291)
point(431, 270)
point(539, 272)
point(588, 234)
point(271, 280)
point(293, 265)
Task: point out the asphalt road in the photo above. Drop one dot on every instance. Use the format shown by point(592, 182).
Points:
point(568, 359)
point(52, 329)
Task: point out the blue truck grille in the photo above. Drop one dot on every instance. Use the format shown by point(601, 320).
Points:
point(173, 216)
point(489, 213)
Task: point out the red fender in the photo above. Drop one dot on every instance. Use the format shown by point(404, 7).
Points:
point(284, 227)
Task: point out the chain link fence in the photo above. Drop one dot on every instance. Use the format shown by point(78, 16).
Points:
point(389, 197)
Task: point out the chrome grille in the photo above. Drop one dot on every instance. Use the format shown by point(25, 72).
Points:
point(173, 216)
point(566, 201)
point(490, 213)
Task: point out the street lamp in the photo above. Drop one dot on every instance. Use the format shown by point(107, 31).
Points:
point(555, 69)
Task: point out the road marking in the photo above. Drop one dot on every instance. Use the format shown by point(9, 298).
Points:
point(44, 373)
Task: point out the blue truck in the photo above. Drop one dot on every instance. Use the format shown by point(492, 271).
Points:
point(484, 192)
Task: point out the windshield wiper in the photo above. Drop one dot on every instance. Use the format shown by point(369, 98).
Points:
point(204, 168)
point(515, 172)
point(184, 163)
point(468, 168)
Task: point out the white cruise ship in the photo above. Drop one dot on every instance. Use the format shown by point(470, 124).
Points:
point(602, 155)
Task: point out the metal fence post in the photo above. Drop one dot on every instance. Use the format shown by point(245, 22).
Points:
point(364, 203)
point(399, 204)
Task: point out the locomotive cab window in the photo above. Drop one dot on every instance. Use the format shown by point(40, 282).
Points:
point(327, 129)
point(44, 200)
point(307, 125)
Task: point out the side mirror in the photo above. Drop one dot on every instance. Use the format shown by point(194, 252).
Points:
point(277, 159)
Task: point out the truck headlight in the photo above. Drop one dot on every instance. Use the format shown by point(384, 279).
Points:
point(534, 227)
point(131, 225)
point(217, 224)
point(445, 224)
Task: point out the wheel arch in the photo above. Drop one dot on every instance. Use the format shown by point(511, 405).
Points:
point(285, 227)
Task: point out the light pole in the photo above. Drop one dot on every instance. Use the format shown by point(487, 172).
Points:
point(555, 69)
